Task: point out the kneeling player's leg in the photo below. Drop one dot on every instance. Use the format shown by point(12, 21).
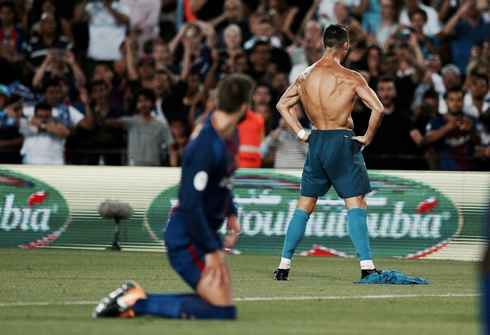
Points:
point(358, 230)
point(213, 300)
point(296, 229)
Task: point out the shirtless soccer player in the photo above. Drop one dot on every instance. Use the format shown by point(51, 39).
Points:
point(334, 158)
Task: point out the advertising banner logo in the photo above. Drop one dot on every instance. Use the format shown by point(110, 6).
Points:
point(406, 218)
point(32, 213)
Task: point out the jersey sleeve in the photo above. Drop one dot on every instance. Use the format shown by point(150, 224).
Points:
point(198, 164)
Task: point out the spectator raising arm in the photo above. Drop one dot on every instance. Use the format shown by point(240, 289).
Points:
point(120, 17)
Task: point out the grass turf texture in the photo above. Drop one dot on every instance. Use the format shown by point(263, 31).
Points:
point(60, 276)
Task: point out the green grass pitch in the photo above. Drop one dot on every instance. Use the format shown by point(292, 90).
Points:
point(50, 291)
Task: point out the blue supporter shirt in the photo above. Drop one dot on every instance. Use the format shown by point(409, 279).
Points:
point(455, 149)
point(205, 197)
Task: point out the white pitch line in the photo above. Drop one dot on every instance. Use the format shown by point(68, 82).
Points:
point(449, 295)
point(75, 303)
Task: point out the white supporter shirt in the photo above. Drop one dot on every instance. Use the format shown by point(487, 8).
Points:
point(41, 148)
point(106, 35)
point(75, 115)
point(145, 17)
point(325, 10)
point(432, 27)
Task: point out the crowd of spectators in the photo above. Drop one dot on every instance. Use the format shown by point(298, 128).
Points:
point(125, 82)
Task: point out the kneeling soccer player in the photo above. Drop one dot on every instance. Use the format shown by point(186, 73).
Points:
point(205, 200)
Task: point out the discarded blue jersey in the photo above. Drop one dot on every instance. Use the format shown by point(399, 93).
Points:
point(391, 277)
point(205, 197)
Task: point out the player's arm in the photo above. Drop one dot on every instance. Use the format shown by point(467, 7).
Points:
point(285, 107)
point(197, 166)
point(233, 229)
point(370, 99)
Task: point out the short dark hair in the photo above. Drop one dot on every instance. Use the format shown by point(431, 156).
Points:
point(453, 89)
point(480, 76)
point(386, 79)
point(51, 83)
point(233, 91)
point(418, 11)
point(148, 93)
point(334, 36)
point(42, 106)
point(430, 94)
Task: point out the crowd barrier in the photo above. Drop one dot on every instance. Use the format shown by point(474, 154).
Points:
point(410, 214)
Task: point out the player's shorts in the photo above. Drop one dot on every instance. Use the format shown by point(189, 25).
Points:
point(188, 262)
point(334, 159)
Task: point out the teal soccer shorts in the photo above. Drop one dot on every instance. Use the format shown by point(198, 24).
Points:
point(334, 159)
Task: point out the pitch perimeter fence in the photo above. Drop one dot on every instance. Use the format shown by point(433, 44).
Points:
point(410, 214)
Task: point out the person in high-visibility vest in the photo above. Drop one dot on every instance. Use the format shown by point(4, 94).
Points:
point(251, 134)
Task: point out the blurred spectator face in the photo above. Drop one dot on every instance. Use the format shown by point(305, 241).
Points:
point(103, 72)
point(232, 39)
point(193, 35)
point(53, 95)
point(387, 9)
point(44, 115)
point(403, 51)
point(160, 83)
point(472, 11)
point(144, 105)
point(411, 4)
point(478, 88)
point(390, 64)
point(233, 10)
point(265, 29)
point(99, 94)
point(160, 53)
point(145, 70)
point(48, 24)
point(451, 79)
point(240, 64)
point(313, 51)
point(260, 55)
point(434, 63)
point(48, 6)
point(454, 102)
point(313, 30)
point(193, 84)
point(373, 58)
point(6, 16)
point(341, 12)
point(261, 95)
point(178, 128)
point(386, 92)
point(433, 103)
point(417, 22)
point(3, 101)
point(264, 110)
point(280, 82)
point(486, 49)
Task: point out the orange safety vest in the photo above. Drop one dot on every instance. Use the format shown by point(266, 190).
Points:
point(250, 135)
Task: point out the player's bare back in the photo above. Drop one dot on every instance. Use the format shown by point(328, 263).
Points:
point(327, 91)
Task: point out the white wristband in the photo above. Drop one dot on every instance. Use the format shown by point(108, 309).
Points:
point(301, 134)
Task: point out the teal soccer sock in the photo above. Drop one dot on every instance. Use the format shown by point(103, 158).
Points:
point(358, 232)
point(296, 231)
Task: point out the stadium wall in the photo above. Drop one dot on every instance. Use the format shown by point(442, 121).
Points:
point(410, 214)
